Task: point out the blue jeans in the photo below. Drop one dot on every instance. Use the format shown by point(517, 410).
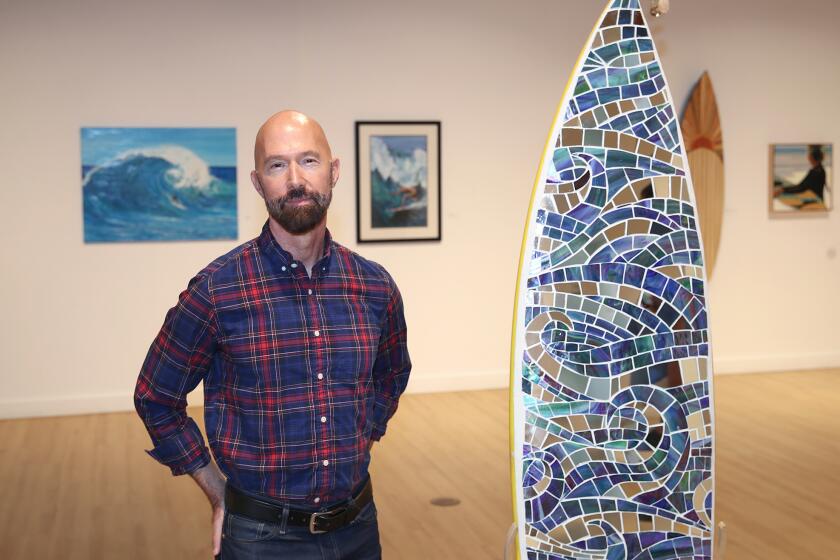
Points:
point(246, 539)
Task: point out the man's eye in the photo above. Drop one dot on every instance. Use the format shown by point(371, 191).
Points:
point(277, 165)
point(310, 161)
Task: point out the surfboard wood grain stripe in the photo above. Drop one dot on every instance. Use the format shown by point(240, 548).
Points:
point(703, 137)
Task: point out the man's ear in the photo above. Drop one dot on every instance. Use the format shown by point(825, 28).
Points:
point(335, 169)
point(255, 180)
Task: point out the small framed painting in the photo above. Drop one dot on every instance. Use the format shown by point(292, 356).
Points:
point(398, 181)
point(800, 179)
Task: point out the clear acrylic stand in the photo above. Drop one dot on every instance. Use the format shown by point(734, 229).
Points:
point(721, 540)
point(510, 540)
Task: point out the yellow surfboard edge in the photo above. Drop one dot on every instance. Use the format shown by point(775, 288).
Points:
point(515, 474)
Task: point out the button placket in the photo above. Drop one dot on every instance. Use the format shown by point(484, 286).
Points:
point(318, 343)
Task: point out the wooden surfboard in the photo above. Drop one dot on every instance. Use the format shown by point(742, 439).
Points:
point(704, 142)
point(611, 395)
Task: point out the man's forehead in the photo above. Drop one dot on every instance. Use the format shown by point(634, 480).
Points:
point(288, 133)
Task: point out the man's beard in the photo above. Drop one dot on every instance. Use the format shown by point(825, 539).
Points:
point(299, 219)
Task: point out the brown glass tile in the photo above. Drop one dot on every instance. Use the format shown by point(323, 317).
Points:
point(572, 136)
point(612, 35)
point(628, 143)
point(663, 155)
point(629, 293)
point(638, 226)
point(646, 148)
point(627, 105)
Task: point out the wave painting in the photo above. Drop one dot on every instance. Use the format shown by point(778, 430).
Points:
point(399, 181)
point(159, 184)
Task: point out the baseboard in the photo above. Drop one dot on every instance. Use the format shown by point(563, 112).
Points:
point(76, 405)
point(466, 381)
point(776, 363)
point(122, 402)
point(418, 383)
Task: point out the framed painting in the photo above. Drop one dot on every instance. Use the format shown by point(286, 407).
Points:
point(158, 184)
point(800, 179)
point(398, 188)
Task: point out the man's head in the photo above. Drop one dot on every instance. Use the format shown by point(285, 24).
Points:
point(294, 171)
point(815, 155)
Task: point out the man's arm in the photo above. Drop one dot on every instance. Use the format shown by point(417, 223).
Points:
point(176, 363)
point(212, 482)
point(392, 365)
point(178, 358)
point(810, 181)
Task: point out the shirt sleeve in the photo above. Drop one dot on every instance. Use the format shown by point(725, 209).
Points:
point(392, 365)
point(177, 361)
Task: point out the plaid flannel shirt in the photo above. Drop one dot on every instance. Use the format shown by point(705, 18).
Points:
point(300, 373)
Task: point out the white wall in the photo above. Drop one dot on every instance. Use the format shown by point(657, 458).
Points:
point(78, 319)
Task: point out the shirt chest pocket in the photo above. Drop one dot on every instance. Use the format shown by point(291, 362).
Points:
point(266, 342)
point(352, 351)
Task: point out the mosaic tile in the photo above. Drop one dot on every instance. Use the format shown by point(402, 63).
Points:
point(612, 398)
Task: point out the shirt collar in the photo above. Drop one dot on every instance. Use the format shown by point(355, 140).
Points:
point(267, 240)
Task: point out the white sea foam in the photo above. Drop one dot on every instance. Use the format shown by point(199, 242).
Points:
point(189, 171)
point(405, 171)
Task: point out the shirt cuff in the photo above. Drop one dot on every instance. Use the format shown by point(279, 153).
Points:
point(382, 412)
point(184, 451)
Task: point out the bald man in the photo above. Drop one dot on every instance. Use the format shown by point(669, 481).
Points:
point(301, 345)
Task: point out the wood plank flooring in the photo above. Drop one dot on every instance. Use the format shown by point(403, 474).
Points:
point(81, 487)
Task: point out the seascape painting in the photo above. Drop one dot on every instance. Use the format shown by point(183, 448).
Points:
point(800, 178)
point(398, 181)
point(158, 184)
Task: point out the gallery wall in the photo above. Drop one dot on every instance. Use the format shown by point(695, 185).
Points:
point(78, 319)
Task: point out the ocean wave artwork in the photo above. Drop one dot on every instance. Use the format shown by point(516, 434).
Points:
point(399, 181)
point(158, 184)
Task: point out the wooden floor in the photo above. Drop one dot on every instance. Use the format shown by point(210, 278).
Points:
point(82, 488)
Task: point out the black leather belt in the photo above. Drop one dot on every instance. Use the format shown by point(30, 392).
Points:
point(318, 522)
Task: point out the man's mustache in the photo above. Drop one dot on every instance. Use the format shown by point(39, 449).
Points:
point(299, 194)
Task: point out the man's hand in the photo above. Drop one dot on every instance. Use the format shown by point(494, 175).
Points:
point(218, 518)
point(212, 483)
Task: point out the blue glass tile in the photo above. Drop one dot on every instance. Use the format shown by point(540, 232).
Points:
point(587, 100)
point(648, 87)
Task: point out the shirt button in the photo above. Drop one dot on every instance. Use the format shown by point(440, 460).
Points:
point(317, 333)
point(283, 268)
point(320, 376)
point(316, 500)
point(310, 291)
point(323, 419)
point(326, 462)
point(294, 265)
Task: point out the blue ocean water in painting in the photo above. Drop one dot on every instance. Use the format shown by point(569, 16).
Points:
point(163, 192)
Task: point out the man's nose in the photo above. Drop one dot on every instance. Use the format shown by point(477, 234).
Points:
point(294, 173)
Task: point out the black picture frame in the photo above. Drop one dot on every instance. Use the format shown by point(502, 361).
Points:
point(402, 202)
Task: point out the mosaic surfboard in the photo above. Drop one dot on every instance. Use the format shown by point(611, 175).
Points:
point(611, 394)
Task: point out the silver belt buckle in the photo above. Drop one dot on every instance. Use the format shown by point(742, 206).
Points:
point(312, 520)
